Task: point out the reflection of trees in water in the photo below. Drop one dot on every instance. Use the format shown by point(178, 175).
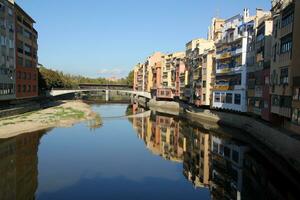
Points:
point(19, 166)
point(228, 167)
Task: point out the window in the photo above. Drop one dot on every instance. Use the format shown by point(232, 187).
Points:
point(34, 88)
point(275, 100)
point(19, 75)
point(29, 88)
point(296, 116)
point(27, 50)
point(24, 76)
point(10, 12)
point(296, 94)
point(221, 150)
point(27, 34)
point(285, 101)
point(235, 156)
point(223, 97)
point(20, 61)
point(24, 88)
point(2, 40)
point(19, 88)
point(284, 76)
point(266, 104)
point(267, 80)
point(286, 20)
point(215, 147)
point(286, 44)
point(229, 98)
point(217, 97)
point(204, 84)
point(226, 152)
point(257, 104)
point(237, 99)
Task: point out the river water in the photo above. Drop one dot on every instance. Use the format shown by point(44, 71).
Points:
point(154, 156)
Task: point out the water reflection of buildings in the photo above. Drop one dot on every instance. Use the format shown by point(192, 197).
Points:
point(196, 156)
point(161, 136)
point(167, 137)
point(18, 166)
point(228, 167)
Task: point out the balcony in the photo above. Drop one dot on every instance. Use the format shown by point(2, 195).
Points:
point(223, 87)
point(286, 30)
point(285, 59)
point(223, 56)
point(282, 111)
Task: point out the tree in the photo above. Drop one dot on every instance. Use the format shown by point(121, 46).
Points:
point(130, 78)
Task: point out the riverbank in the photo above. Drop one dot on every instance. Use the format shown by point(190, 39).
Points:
point(59, 114)
point(285, 144)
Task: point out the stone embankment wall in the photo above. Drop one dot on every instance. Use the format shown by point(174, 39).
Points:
point(19, 110)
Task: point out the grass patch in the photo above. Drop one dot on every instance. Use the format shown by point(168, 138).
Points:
point(68, 113)
point(7, 123)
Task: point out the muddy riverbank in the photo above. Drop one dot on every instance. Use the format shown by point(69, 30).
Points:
point(59, 114)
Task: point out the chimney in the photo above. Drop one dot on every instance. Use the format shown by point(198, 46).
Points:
point(246, 13)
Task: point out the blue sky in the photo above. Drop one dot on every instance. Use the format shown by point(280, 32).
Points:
point(107, 38)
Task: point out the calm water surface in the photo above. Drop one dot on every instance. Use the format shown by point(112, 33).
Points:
point(152, 157)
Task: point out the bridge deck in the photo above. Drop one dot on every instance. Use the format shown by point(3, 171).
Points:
point(59, 92)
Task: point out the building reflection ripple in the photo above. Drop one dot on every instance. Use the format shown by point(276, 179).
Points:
point(229, 167)
point(19, 166)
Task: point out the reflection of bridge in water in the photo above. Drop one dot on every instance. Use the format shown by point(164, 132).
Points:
point(139, 115)
point(107, 88)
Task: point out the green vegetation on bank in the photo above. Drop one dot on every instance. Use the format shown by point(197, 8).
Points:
point(49, 78)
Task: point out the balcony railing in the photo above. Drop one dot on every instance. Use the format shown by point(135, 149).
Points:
point(283, 111)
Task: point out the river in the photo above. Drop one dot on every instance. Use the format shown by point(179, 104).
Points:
point(156, 156)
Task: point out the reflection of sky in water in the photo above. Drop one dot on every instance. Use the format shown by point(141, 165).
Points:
point(72, 158)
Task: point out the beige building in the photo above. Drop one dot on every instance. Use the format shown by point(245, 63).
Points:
point(215, 30)
point(146, 76)
point(258, 66)
point(283, 12)
point(196, 56)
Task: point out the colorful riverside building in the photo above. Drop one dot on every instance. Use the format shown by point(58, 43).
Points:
point(147, 75)
point(160, 75)
point(171, 64)
point(194, 57)
point(258, 66)
point(26, 55)
point(231, 69)
point(285, 71)
point(7, 50)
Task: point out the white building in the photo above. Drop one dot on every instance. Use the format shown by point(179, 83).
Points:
point(231, 69)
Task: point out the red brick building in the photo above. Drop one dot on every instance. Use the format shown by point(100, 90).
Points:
point(26, 55)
